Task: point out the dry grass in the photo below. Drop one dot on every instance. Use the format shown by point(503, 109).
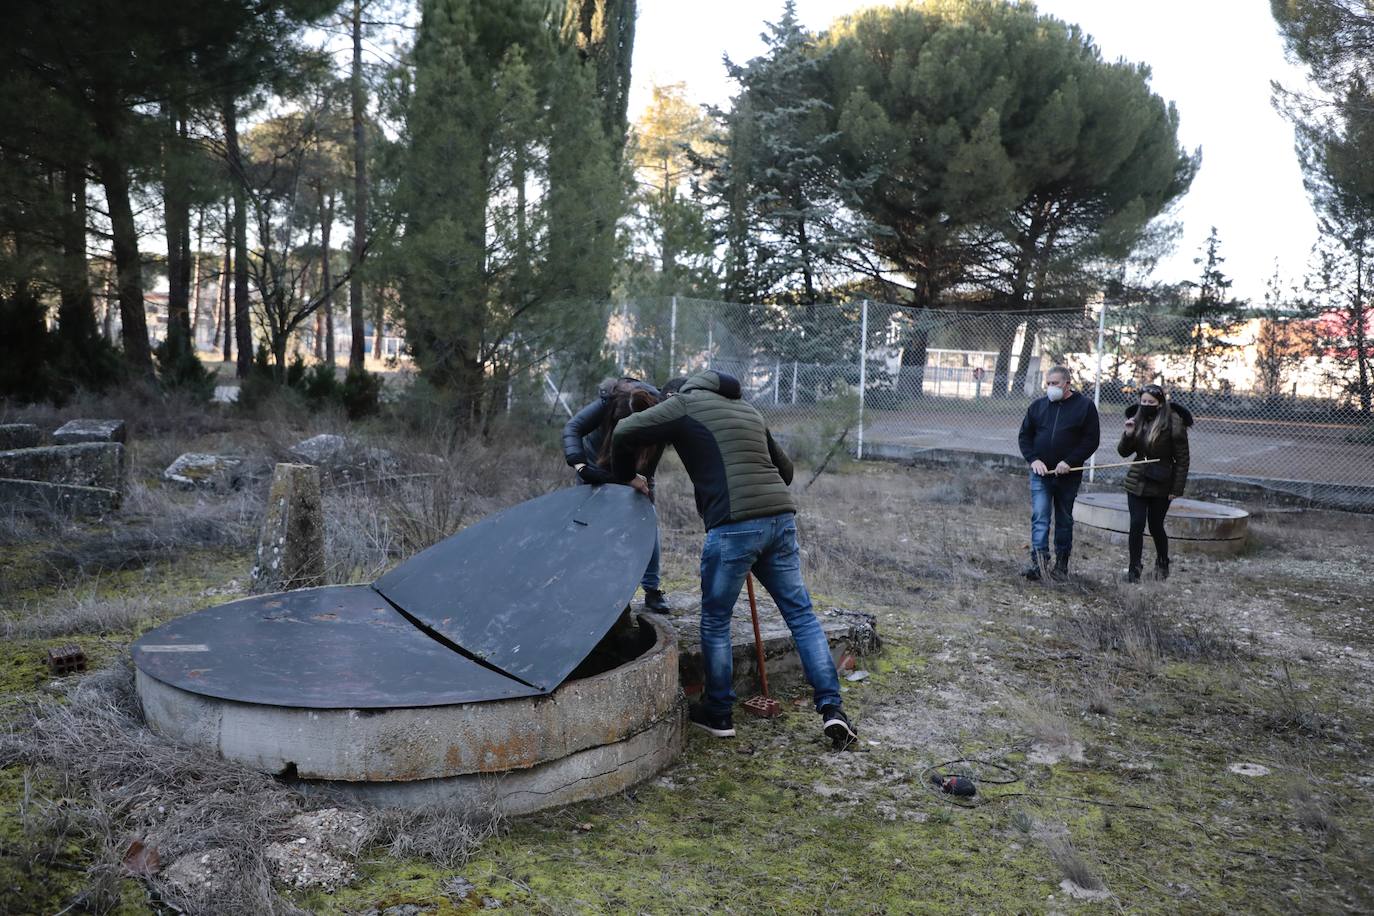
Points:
point(113, 781)
point(1072, 864)
point(1144, 624)
point(85, 612)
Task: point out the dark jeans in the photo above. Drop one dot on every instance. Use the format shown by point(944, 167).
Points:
point(650, 579)
point(1053, 495)
point(1150, 509)
point(768, 547)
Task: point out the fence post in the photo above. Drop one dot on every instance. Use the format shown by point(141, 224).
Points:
point(672, 340)
point(863, 376)
point(1097, 385)
point(711, 341)
point(624, 333)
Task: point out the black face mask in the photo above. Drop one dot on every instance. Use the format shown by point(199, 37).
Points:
point(1148, 412)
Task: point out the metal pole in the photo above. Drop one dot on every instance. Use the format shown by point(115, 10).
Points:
point(794, 382)
point(624, 332)
point(863, 375)
point(1097, 386)
point(777, 379)
point(711, 341)
point(672, 340)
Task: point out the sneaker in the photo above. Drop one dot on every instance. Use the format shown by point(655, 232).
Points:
point(654, 601)
point(715, 726)
point(836, 726)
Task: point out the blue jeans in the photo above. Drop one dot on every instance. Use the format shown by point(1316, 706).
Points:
point(651, 579)
point(768, 547)
point(1055, 494)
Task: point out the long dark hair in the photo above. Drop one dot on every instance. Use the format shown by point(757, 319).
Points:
point(626, 398)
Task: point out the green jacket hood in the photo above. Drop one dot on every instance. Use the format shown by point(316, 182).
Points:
point(720, 383)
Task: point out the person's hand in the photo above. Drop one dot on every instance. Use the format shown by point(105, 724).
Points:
point(1062, 467)
point(1130, 426)
point(1038, 467)
point(641, 484)
point(593, 475)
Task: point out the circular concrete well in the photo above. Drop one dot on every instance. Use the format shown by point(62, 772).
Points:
point(1192, 525)
point(333, 684)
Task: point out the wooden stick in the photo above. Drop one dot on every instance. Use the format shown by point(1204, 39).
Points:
point(1118, 464)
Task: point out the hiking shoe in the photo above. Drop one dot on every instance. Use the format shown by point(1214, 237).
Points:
point(836, 726)
point(715, 726)
point(654, 601)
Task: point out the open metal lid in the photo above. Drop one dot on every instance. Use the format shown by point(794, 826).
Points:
point(505, 608)
point(531, 590)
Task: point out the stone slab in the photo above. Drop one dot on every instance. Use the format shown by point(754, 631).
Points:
point(86, 464)
point(29, 496)
point(203, 470)
point(74, 431)
point(19, 435)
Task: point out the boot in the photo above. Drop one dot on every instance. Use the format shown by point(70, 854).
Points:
point(655, 601)
point(1040, 561)
point(1161, 568)
point(1061, 567)
point(1133, 574)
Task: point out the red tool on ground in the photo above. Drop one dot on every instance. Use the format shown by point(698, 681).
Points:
point(763, 706)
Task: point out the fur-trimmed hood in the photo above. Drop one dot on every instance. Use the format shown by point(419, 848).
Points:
point(1179, 410)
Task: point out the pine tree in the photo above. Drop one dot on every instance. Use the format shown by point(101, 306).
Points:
point(1210, 311)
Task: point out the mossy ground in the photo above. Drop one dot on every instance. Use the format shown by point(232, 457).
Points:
point(1119, 751)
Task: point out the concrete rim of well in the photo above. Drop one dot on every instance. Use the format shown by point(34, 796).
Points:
point(417, 743)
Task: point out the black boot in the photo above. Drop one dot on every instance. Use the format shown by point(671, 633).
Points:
point(1161, 568)
point(1040, 561)
point(1133, 574)
point(654, 601)
point(1061, 567)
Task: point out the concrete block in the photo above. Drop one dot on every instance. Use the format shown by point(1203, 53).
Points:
point(29, 496)
point(291, 546)
point(19, 435)
point(87, 464)
point(203, 470)
point(74, 431)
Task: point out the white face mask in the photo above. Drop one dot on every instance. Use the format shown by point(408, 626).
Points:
point(1054, 393)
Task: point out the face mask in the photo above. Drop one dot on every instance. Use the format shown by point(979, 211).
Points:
point(1148, 413)
point(1054, 393)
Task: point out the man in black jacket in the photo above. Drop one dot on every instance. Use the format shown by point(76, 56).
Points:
point(581, 443)
point(1060, 432)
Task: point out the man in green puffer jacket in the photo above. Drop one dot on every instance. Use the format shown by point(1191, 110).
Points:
point(741, 477)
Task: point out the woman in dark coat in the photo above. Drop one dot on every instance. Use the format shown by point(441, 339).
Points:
point(1154, 429)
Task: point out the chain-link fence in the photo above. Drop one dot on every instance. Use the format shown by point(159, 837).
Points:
point(1278, 400)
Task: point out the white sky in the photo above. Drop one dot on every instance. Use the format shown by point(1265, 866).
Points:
point(1213, 59)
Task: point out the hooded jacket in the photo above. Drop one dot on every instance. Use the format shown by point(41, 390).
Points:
point(1171, 450)
point(737, 469)
point(1056, 431)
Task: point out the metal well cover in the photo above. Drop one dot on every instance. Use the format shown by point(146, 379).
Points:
point(531, 590)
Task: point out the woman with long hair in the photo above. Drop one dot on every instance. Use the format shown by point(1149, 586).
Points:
point(587, 445)
point(1157, 431)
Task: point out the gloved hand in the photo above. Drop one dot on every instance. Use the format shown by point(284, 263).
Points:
point(593, 475)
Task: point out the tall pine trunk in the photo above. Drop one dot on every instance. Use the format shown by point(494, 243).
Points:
point(76, 325)
point(326, 277)
point(243, 328)
point(128, 264)
point(176, 200)
point(355, 281)
point(226, 286)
